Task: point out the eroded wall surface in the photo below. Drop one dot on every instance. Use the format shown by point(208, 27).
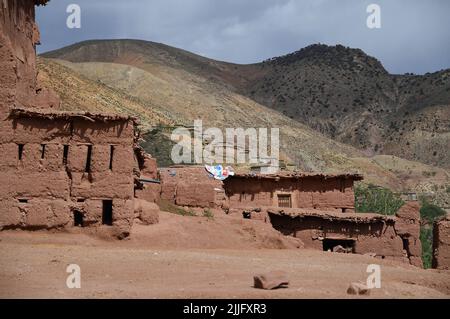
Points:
point(441, 243)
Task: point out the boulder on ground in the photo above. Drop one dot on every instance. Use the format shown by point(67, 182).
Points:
point(357, 288)
point(271, 280)
point(146, 211)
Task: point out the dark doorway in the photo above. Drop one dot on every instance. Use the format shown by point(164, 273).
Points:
point(107, 215)
point(348, 244)
point(78, 219)
point(406, 246)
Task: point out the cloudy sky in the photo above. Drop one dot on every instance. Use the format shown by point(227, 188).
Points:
point(414, 34)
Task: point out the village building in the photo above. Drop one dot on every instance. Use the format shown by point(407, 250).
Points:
point(59, 169)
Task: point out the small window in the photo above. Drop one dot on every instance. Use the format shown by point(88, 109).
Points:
point(23, 200)
point(344, 210)
point(65, 154)
point(42, 151)
point(284, 200)
point(111, 156)
point(20, 150)
point(107, 214)
point(87, 169)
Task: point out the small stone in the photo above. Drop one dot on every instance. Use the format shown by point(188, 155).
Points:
point(357, 288)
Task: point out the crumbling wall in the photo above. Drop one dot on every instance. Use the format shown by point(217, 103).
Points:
point(19, 35)
point(407, 227)
point(190, 186)
point(148, 191)
point(441, 243)
point(308, 192)
point(52, 167)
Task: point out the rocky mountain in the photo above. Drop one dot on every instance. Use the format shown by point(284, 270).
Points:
point(350, 97)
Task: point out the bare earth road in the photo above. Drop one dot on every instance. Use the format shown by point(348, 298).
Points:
point(33, 265)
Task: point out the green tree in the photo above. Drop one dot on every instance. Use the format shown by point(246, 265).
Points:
point(376, 199)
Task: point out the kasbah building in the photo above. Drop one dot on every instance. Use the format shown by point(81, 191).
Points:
point(60, 170)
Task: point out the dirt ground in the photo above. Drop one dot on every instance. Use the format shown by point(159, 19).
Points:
point(194, 257)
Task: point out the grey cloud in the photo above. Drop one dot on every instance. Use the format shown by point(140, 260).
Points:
point(414, 36)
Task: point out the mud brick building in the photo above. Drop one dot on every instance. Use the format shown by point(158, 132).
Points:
point(319, 209)
point(292, 190)
point(57, 169)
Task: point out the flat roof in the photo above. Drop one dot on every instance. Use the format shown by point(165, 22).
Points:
point(298, 175)
point(52, 114)
point(330, 215)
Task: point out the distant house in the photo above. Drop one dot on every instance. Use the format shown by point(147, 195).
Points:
point(292, 190)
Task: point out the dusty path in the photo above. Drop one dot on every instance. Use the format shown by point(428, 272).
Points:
point(30, 269)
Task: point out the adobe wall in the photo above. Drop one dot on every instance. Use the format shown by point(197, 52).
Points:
point(334, 194)
point(44, 188)
point(190, 186)
point(441, 243)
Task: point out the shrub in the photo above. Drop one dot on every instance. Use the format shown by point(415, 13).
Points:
point(208, 213)
point(167, 206)
point(430, 212)
point(426, 238)
point(375, 199)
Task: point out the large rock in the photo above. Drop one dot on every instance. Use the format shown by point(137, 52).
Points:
point(271, 280)
point(147, 212)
